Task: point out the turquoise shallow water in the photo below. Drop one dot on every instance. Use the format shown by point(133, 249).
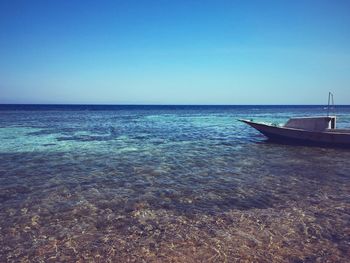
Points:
point(168, 184)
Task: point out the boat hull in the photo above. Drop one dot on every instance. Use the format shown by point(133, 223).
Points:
point(290, 135)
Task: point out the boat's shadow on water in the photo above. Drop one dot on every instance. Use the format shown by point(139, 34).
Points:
point(300, 144)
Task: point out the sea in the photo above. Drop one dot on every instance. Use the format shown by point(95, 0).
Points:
point(137, 183)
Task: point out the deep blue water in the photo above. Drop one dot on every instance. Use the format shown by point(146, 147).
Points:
point(168, 183)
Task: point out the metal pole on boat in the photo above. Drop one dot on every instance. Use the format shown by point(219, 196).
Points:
point(330, 94)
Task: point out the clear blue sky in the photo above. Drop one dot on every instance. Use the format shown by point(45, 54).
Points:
point(174, 52)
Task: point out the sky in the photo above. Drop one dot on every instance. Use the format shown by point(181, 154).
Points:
point(174, 52)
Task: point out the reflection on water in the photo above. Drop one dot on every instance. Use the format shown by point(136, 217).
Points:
point(169, 185)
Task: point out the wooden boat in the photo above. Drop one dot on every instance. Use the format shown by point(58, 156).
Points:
point(310, 130)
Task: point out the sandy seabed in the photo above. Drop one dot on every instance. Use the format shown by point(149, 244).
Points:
point(98, 232)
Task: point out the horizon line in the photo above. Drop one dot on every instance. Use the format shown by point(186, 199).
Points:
point(142, 104)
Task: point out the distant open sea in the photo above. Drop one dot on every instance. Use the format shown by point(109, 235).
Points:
point(83, 183)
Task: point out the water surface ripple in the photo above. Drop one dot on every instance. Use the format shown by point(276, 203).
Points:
point(168, 184)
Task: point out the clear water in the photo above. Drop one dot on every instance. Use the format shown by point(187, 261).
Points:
point(168, 184)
